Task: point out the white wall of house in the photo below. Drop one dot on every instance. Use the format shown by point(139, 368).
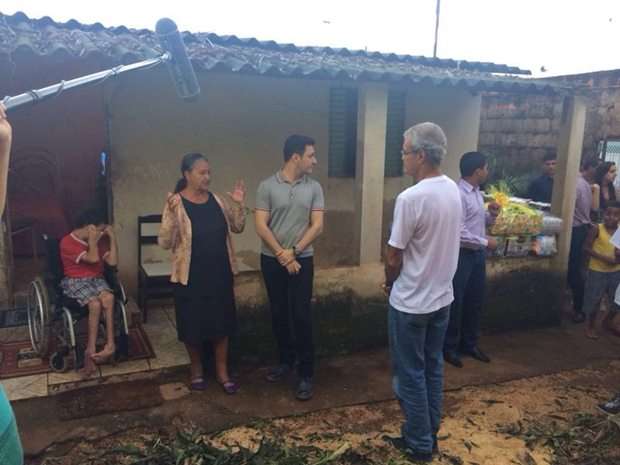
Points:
point(240, 122)
point(456, 110)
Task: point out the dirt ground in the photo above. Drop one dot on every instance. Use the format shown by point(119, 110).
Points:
point(543, 420)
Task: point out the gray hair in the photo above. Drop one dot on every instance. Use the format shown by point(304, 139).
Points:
point(430, 138)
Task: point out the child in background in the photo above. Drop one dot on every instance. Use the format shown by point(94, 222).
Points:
point(603, 270)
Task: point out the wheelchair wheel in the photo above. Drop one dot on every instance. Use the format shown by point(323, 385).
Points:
point(59, 362)
point(39, 317)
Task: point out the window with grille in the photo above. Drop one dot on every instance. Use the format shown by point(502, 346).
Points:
point(395, 126)
point(609, 150)
point(342, 132)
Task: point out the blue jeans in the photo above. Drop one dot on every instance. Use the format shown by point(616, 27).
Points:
point(416, 347)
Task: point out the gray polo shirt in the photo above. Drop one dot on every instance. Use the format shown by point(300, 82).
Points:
point(290, 206)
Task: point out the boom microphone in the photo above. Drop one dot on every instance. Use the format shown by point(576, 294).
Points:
point(175, 57)
point(178, 64)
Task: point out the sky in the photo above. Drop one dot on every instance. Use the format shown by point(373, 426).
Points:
point(557, 36)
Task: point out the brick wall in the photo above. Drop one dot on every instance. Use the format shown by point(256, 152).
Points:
point(518, 130)
point(603, 118)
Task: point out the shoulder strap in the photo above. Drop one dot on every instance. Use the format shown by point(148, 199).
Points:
point(219, 201)
point(224, 206)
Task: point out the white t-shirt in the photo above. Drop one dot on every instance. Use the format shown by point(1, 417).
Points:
point(427, 227)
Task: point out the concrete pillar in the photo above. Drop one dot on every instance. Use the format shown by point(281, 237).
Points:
point(369, 169)
point(570, 144)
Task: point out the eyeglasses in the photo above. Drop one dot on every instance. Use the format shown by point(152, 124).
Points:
point(407, 152)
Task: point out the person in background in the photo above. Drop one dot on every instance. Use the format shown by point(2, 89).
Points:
point(541, 188)
point(604, 178)
point(581, 225)
point(196, 225)
point(603, 276)
point(289, 218)
point(11, 452)
point(470, 278)
point(421, 259)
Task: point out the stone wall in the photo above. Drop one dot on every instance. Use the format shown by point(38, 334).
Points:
point(518, 130)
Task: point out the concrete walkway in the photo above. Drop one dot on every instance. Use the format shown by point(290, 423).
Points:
point(340, 381)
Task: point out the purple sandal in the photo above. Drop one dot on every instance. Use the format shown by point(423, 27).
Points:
point(198, 384)
point(230, 387)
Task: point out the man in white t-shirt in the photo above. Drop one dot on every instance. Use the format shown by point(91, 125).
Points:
point(422, 257)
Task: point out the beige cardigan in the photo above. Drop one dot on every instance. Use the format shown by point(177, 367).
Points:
point(176, 233)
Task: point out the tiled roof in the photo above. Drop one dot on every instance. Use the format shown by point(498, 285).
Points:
point(209, 51)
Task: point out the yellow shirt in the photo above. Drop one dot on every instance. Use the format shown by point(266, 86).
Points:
point(603, 246)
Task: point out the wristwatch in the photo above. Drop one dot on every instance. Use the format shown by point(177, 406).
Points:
point(296, 251)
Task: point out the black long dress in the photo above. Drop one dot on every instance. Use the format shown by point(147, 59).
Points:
point(205, 308)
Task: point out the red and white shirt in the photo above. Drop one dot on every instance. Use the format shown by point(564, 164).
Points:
point(73, 250)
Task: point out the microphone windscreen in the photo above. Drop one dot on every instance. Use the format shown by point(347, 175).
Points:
point(179, 65)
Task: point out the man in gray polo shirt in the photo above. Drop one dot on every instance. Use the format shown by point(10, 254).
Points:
point(289, 217)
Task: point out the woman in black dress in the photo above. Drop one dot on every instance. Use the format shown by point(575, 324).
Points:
point(196, 225)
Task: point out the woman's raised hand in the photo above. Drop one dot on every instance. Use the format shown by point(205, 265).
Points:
point(238, 192)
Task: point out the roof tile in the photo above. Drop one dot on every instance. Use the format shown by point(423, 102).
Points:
point(210, 51)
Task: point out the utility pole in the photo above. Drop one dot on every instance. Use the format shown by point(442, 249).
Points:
point(436, 28)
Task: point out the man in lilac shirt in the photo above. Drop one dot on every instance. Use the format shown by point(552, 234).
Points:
point(581, 224)
point(469, 280)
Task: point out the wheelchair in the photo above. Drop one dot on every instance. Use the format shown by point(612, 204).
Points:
point(53, 317)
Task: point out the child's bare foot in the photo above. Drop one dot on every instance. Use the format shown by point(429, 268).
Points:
point(104, 355)
point(89, 368)
point(591, 333)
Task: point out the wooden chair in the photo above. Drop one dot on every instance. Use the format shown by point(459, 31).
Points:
point(153, 277)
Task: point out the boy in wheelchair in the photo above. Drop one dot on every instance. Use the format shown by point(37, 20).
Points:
point(83, 253)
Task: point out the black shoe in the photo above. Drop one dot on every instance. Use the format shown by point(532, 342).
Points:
point(579, 317)
point(478, 355)
point(278, 373)
point(304, 389)
point(611, 407)
point(453, 359)
point(413, 455)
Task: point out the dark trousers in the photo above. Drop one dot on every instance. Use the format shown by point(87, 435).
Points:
point(289, 298)
point(575, 276)
point(469, 283)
